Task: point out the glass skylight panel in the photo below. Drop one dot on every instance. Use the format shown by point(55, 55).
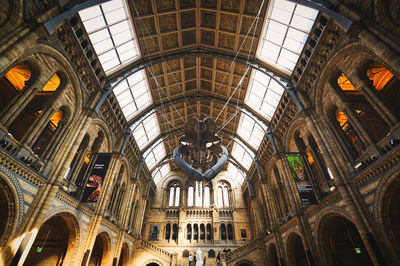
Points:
point(110, 31)
point(235, 173)
point(160, 173)
point(154, 154)
point(133, 94)
point(146, 131)
point(250, 131)
point(242, 154)
point(286, 30)
point(263, 94)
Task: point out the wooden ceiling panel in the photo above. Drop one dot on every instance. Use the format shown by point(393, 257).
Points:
point(167, 23)
point(166, 26)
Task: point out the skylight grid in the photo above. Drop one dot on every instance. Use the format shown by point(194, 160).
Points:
point(250, 131)
point(110, 31)
point(236, 173)
point(242, 154)
point(154, 154)
point(161, 172)
point(286, 30)
point(146, 131)
point(133, 94)
point(264, 94)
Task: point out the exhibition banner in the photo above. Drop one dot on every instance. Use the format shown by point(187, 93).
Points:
point(302, 180)
point(96, 178)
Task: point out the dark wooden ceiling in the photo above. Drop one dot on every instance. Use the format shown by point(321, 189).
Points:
point(169, 26)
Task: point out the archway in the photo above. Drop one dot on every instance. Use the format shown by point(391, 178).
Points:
point(152, 264)
point(341, 243)
point(296, 253)
point(272, 256)
point(55, 242)
point(390, 213)
point(99, 250)
point(8, 211)
point(244, 263)
point(124, 256)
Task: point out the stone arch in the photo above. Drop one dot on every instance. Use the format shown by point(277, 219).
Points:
point(64, 219)
point(9, 206)
point(101, 250)
point(297, 125)
point(14, 11)
point(272, 255)
point(387, 13)
point(65, 68)
point(174, 178)
point(101, 125)
point(295, 250)
point(124, 255)
point(154, 261)
point(387, 208)
point(244, 263)
point(327, 223)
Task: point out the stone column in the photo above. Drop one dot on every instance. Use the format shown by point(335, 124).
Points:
point(309, 243)
point(95, 220)
point(351, 195)
point(38, 126)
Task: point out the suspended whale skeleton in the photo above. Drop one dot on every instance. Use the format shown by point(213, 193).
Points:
point(200, 155)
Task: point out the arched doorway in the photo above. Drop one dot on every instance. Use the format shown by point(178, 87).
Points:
point(296, 253)
point(124, 256)
point(7, 212)
point(99, 250)
point(341, 243)
point(152, 264)
point(390, 213)
point(272, 256)
point(55, 242)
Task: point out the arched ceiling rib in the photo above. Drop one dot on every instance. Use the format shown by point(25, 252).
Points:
point(197, 55)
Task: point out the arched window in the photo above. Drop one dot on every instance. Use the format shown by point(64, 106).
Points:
point(206, 197)
point(209, 232)
point(363, 109)
point(189, 232)
point(12, 83)
point(220, 197)
point(174, 231)
point(38, 106)
point(198, 195)
point(190, 196)
point(48, 132)
point(230, 232)
point(387, 86)
point(223, 231)
point(202, 232)
point(349, 132)
point(168, 231)
point(177, 196)
point(171, 196)
point(226, 196)
point(195, 232)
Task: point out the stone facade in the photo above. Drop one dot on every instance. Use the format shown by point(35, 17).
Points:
point(348, 132)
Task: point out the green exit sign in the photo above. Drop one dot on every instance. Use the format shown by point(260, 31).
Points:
point(358, 250)
point(39, 250)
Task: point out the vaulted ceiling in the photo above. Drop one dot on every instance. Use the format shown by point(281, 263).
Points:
point(196, 53)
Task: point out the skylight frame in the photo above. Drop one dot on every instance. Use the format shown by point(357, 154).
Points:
point(263, 94)
point(289, 44)
point(120, 47)
point(155, 154)
point(127, 95)
point(161, 173)
point(241, 153)
point(250, 130)
point(236, 173)
point(146, 130)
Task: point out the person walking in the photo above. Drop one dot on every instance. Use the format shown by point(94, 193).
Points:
point(190, 259)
